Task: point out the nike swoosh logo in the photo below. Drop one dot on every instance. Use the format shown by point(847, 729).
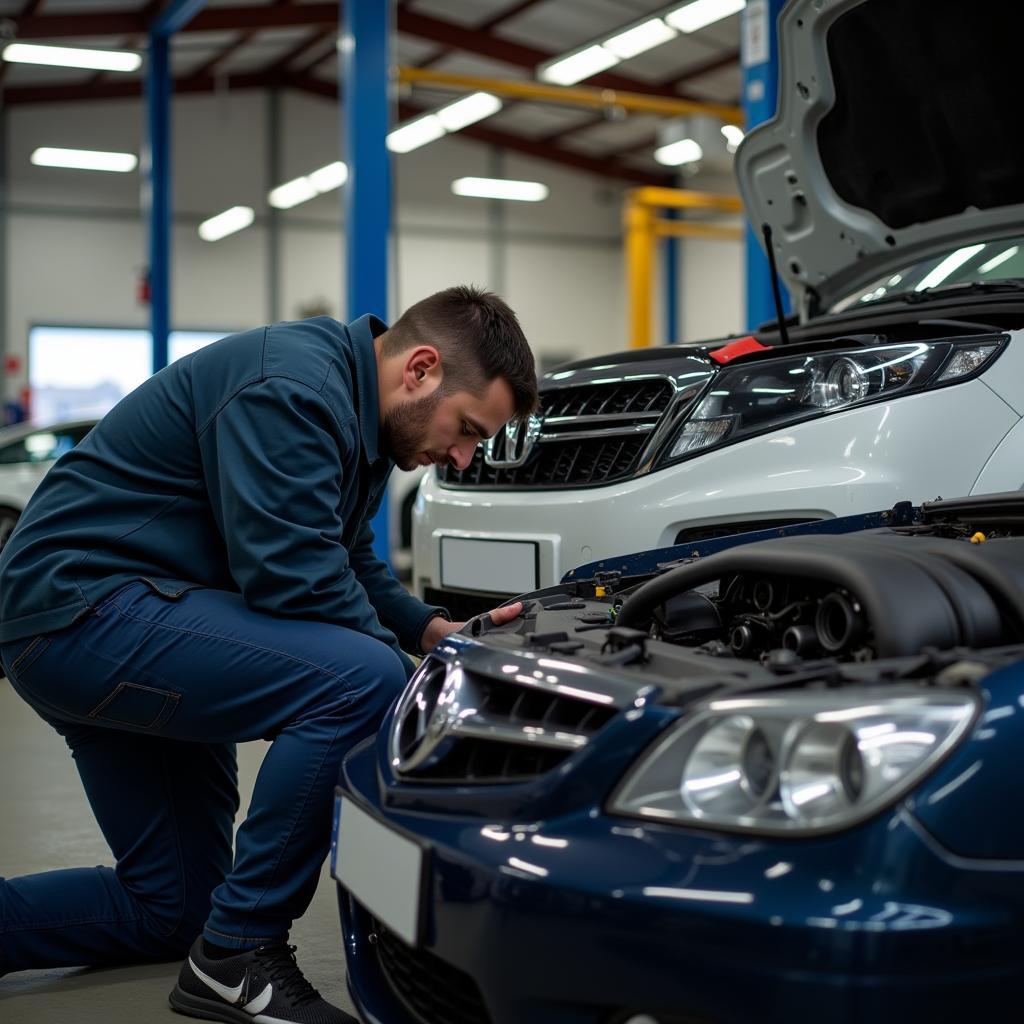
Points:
point(232, 995)
point(261, 1002)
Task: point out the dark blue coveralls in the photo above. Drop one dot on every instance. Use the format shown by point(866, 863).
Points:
point(196, 573)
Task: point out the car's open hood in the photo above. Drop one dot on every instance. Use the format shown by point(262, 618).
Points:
point(897, 136)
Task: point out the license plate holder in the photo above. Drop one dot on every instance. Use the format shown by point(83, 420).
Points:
point(384, 870)
point(496, 566)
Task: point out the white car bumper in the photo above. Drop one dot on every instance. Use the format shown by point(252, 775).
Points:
point(918, 447)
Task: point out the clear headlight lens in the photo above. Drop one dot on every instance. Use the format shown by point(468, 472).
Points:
point(766, 395)
point(795, 764)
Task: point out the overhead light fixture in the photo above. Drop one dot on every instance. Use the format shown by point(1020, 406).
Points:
point(500, 188)
point(326, 179)
point(577, 66)
point(685, 151)
point(451, 118)
point(291, 193)
point(701, 13)
point(468, 110)
point(72, 57)
point(639, 39)
point(84, 159)
point(415, 134)
point(226, 223)
point(309, 186)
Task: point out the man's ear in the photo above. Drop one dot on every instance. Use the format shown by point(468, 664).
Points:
point(422, 369)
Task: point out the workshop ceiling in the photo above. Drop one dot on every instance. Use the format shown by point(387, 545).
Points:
point(259, 44)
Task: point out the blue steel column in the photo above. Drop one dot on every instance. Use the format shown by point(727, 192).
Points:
point(670, 251)
point(159, 86)
point(364, 83)
point(158, 100)
point(760, 95)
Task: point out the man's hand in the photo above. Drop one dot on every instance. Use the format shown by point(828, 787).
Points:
point(438, 628)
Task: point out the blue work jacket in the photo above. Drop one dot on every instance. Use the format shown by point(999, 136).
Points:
point(252, 465)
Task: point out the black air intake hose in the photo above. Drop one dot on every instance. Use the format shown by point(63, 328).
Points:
point(905, 605)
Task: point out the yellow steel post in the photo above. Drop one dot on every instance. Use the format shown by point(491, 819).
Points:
point(643, 228)
point(639, 227)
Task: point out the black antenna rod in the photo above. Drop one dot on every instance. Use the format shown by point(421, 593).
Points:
point(766, 230)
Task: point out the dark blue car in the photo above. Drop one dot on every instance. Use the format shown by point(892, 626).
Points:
point(758, 779)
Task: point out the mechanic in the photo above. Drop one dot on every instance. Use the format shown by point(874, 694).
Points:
point(198, 572)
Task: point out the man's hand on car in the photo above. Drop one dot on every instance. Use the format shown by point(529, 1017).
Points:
point(438, 628)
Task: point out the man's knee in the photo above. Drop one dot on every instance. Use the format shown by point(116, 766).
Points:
point(378, 680)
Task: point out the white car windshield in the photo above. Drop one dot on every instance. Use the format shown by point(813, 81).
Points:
point(981, 263)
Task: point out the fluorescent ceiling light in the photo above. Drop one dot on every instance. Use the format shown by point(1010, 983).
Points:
point(685, 151)
point(84, 159)
point(577, 66)
point(639, 39)
point(500, 188)
point(952, 262)
point(998, 260)
point(468, 110)
point(309, 186)
point(415, 134)
point(71, 57)
point(226, 223)
point(291, 193)
point(701, 13)
point(328, 178)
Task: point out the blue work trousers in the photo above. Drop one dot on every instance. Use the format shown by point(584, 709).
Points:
point(151, 693)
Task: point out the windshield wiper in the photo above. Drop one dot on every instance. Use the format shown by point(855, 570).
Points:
point(1007, 284)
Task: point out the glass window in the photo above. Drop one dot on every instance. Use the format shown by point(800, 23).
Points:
point(181, 343)
point(83, 372)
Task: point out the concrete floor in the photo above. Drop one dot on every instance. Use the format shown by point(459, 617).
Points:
point(45, 823)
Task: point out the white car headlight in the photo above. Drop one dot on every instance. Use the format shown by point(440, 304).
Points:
point(801, 763)
point(768, 394)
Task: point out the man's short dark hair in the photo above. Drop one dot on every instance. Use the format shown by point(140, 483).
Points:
point(479, 338)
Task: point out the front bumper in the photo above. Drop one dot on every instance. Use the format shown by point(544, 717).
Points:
point(913, 448)
point(590, 919)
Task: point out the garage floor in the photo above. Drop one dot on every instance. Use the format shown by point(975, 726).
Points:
point(45, 823)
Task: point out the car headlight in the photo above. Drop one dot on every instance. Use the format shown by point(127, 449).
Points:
point(768, 394)
point(796, 764)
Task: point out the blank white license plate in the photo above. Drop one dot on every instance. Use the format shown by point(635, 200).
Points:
point(500, 566)
point(383, 870)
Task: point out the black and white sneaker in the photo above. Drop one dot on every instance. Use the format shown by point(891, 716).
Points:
point(259, 986)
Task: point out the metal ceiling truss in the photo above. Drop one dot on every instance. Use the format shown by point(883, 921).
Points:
point(322, 18)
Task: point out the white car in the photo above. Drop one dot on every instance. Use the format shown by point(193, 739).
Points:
point(900, 239)
point(27, 451)
point(401, 497)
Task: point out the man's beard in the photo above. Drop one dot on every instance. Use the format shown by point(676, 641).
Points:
point(405, 428)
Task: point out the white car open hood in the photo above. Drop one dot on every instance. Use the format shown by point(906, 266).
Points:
point(898, 134)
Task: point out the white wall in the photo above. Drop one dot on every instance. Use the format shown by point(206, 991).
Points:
point(76, 241)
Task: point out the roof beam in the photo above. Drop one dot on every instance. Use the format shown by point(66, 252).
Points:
point(668, 87)
point(233, 47)
point(475, 41)
point(306, 83)
point(603, 168)
point(213, 19)
point(494, 22)
point(28, 10)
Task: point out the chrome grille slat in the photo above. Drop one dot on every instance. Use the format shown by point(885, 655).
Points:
point(484, 729)
point(573, 446)
point(582, 435)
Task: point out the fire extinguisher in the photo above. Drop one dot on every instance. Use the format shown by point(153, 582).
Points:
point(143, 287)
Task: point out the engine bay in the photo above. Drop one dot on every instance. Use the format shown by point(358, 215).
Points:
point(949, 578)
